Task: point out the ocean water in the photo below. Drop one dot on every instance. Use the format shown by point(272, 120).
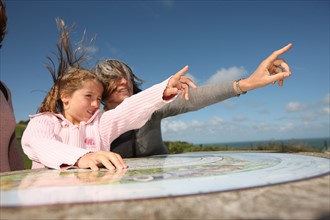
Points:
point(320, 144)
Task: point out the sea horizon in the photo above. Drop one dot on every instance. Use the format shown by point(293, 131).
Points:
point(319, 142)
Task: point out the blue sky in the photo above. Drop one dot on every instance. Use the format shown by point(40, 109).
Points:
point(219, 40)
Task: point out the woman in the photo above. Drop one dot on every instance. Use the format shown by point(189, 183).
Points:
point(148, 140)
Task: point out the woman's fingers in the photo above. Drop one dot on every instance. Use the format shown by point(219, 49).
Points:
point(185, 91)
point(280, 70)
point(278, 67)
point(188, 81)
point(286, 69)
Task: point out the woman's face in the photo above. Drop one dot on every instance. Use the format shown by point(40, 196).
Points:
point(123, 90)
point(83, 103)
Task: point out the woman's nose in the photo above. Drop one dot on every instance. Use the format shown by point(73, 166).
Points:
point(122, 81)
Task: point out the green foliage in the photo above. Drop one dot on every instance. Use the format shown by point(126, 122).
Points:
point(19, 130)
point(293, 147)
point(20, 127)
point(181, 147)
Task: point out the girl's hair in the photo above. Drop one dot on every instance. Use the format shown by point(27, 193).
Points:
point(112, 70)
point(69, 76)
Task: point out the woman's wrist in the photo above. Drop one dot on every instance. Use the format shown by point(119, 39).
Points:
point(245, 85)
point(240, 86)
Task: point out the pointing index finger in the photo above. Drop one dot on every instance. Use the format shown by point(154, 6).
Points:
point(278, 53)
point(181, 72)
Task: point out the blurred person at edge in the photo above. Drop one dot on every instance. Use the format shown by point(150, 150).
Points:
point(10, 154)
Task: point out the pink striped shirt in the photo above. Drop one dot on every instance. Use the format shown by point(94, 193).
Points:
point(52, 141)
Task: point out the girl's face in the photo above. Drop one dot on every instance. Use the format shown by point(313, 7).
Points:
point(83, 103)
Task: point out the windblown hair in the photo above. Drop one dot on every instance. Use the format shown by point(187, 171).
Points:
point(111, 70)
point(3, 22)
point(69, 75)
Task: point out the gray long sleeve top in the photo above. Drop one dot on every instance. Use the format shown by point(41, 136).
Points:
point(148, 141)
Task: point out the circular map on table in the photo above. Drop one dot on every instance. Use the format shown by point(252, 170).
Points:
point(159, 176)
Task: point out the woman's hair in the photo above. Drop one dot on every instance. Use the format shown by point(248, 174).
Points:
point(112, 70)
point(3, 22)
point(69, 75)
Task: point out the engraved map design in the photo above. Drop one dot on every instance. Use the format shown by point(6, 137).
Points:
point(158, 176)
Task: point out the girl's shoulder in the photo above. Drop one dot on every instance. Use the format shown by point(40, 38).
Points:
point(47, 116)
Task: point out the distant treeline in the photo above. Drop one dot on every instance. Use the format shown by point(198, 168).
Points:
point(20, 127)
point(181, 147)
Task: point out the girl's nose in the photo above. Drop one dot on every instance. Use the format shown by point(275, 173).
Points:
point(96, 103)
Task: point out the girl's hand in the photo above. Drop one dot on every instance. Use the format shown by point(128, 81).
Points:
point(94, 160)
point(110, 176)
point(179, 83)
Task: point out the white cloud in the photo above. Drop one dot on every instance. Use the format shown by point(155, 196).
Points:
point(217, 121)
point(197, 124)
point(227, 75)
point(287, 127)
point(326, 99)
point(295, 107)
point(229, 104)
point(264, 111)
point(309, 117)
point(326, 110)
point(240, 118)
point(261, 126)
point(173, 126)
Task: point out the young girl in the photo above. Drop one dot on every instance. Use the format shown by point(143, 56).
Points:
point(69, 129)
